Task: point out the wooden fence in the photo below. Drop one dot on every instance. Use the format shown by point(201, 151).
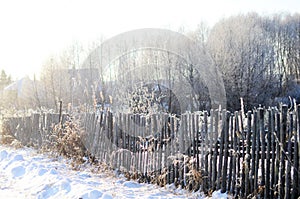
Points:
point(256, 154)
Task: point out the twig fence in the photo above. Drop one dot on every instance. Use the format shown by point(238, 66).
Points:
point(256, 154)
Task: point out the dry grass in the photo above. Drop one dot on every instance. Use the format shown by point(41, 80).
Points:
point(65, 141)
point(6, 135)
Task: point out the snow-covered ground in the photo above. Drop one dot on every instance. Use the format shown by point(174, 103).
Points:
point(26, 174)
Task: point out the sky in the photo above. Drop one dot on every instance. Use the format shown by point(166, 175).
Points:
point(33, 30)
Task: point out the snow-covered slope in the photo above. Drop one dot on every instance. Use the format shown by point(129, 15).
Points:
point(27, 174)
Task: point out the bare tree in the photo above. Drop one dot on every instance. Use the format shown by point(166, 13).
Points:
point(240, 49)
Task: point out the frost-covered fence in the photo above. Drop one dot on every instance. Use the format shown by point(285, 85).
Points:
point(244, 155)
point(33, 130)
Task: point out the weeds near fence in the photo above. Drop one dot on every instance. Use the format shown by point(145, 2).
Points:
point(7, 138)
point(62, 140)
point(65, 141)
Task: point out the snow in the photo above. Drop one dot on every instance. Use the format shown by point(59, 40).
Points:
point(24, 173)
point(219, 195)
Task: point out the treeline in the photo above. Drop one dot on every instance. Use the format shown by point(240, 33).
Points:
point(257, 56)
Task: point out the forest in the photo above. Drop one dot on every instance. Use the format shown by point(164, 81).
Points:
point(258, 58)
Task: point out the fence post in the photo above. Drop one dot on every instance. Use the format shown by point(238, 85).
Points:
point(115, 142)
point(273, 149)
point(263, 147)
point(211, 141)
point(60, 112)
point(268, 157)
point(233, 174)
point(220, 166)
point(296, 169)
point(215, 152)
point(153, 131)
point(142, 141)
point(247, 159)
point(283, 132)
point(242, 151)
point(173, 152)
point(226, 140)
point(36, 129)
point(289, 159)
point(231, 185)
point(196, 137)
point(255, 151)
point(205, 151)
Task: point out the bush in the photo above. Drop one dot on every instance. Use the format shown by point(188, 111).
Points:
point(65, 141)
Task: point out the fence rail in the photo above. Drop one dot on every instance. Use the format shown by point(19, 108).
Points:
point(256, 154)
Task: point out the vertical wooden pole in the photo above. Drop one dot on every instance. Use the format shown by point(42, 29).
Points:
point(153, 132)
point(205, 151)
point(268, 156)
point(283, 133)
point(273, 150)
point(161, 137)
point(248, 156)
point(36, 130)
point(215, 153)
point(97, 136)
point(196, 134)
point(60, 112)
point(256, 149)
point(142, 140)
point(281, 145)
point(296, 170)
point(129, 132)
point(235, 155)
point(289, 159)
point(226, 141)
point(242, 151)
point(221, 156)
point(181, 133)
point(167, 147)
point(135, 126)
point(277, 153)
point(124, 138)
point(211, 141)
point(173, 136)
point(231, 185)
point(176, 148)
point(263, 146)
point(192, 135)
point(238, 135)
